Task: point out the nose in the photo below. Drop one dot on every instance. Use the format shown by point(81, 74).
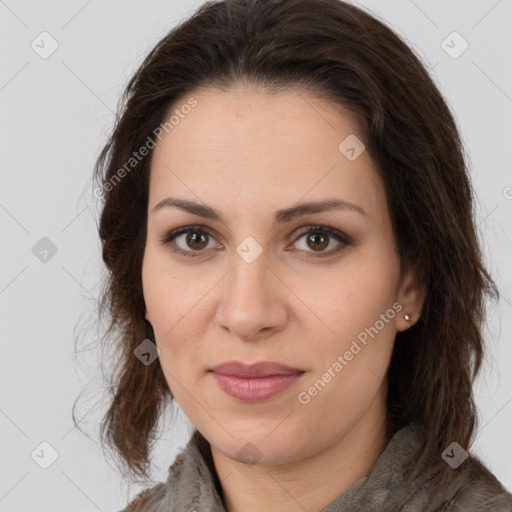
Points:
point(252, 305)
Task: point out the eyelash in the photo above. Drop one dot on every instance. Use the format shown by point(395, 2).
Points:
point(344, 239)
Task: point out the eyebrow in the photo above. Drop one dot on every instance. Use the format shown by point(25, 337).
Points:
point(280, 216)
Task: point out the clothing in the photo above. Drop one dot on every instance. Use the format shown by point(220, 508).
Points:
point(192, 485)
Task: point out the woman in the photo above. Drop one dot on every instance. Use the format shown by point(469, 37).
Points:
point(287, 223)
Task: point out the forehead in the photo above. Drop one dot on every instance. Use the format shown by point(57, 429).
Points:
point(252, 145)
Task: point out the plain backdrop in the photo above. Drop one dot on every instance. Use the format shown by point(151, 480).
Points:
point(55, 115)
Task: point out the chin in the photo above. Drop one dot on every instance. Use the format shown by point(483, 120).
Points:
point(258, 445)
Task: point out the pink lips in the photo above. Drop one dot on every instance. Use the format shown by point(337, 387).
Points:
point(256, 382)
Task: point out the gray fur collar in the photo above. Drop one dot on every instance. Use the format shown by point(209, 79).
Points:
point(191, 486)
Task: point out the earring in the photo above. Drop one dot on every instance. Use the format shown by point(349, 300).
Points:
point(407, 318)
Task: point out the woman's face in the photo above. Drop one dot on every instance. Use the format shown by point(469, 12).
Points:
point(260, 284)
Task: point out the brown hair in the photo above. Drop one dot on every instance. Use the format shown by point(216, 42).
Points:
point(339, 52)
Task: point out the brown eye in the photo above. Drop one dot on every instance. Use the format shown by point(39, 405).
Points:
point(317, 241)
point(318, 238)
point(194, 243)
point(196, 240)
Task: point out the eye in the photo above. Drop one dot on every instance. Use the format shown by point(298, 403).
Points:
point(319, 237)
point(196, 240)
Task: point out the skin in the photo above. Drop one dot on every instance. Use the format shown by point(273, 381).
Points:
point(249, 154)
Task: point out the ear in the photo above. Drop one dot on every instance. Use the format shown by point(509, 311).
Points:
point(411, 295)
point(147, 315)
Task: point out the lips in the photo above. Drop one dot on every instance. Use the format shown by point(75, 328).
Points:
point(256, 382)
point(261, 369)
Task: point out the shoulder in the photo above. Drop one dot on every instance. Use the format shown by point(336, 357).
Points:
point(189, 485)
point(409, 479)
point(476, 489)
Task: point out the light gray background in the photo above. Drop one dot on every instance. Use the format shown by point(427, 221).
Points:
point(55, 115)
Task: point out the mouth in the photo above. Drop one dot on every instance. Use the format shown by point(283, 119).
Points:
point(255, 382)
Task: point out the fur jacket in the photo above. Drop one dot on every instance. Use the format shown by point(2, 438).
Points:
point(193, 486)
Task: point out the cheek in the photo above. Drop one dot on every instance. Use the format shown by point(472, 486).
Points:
point(360, 311)
point(351, 301)
point(174, 305)
point(167, 297)
point(348, 376)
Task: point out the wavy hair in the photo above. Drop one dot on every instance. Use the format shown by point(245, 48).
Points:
point(341, 53)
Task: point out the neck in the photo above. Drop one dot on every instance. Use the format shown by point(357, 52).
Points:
point(306, 484)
